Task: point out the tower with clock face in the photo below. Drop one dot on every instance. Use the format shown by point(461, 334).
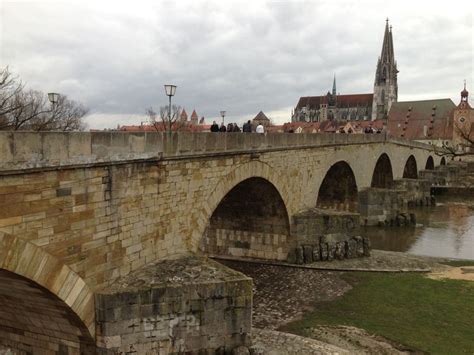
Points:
point(463, 119)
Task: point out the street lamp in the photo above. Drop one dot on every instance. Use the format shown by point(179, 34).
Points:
point(222, 115)
point(170, 91)
point(53, 98)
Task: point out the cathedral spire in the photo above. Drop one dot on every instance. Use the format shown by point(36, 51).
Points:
point(334, 86)
point(387, 54)
point(385, 86)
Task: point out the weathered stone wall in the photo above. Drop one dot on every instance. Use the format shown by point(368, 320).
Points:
point(414, 192)
point(323, 234)
point(183, 306)
point(239, 243)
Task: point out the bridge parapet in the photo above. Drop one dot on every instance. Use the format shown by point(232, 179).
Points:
point(33, 150)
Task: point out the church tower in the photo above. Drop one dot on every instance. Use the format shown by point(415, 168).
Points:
point(385, 86)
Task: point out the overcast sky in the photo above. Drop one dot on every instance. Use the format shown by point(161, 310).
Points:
point(238, 56)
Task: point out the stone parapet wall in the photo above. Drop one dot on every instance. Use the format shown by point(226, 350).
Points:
point(27, 150)
point(185, 306)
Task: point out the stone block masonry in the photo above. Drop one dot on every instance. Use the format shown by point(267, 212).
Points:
point(414, 192)
point(385, 207)
point(325, 235)
point(191, 305)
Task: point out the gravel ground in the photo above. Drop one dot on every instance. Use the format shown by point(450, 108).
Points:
point(283, 294)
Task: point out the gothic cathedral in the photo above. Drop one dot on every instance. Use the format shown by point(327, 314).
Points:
point(333, 106)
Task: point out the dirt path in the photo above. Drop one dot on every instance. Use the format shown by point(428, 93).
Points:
point(456, 273)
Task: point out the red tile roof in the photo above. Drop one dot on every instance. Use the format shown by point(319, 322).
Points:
point(419, 120)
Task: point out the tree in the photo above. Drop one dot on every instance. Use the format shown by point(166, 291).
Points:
point(164, 122)
point(22, 109)
point(462, 143)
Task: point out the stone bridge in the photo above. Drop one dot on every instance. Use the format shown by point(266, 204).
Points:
point(81, 213)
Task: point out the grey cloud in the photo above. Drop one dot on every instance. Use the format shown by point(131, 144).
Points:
point(238, 56)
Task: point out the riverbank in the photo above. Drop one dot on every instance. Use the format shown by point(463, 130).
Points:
point(366, 312)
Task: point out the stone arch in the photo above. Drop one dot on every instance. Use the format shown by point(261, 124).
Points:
point(252, 169)
point(443, 161)
point(251, 220)
point(338, 189)
point(410, 171)
point(33, 263)
point(383, 175)
point(429, 163)
point(25, 305)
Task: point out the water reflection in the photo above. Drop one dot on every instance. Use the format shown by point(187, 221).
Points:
point(445, 230)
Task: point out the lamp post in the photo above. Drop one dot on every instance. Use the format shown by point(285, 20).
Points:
point(222, 115)
point(170, 91)
point(53, 97)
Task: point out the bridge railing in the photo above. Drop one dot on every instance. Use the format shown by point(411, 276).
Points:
point(23, 150)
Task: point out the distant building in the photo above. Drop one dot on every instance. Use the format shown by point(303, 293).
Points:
point(194, 117)
point(438, 122)
point(261, 118)
point(183, 116)
point(356, 127)
point(369, 106)
point(182, 124)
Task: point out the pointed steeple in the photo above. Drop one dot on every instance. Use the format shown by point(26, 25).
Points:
point(385, 85)
point(334, 86)
point(387, 55)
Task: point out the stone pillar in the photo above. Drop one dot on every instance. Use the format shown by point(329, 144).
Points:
point(322, 235)
point(191, 305)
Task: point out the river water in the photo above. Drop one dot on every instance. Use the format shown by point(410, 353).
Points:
point(444, 230)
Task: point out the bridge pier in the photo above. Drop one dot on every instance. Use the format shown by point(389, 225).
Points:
point(414, 192)
point(384, 207)
point(191, 305)
point(323, 234)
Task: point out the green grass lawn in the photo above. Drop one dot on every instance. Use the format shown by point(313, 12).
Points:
point(429, 315)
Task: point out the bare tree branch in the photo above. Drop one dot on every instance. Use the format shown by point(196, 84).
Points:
point(164, 122)
point(30, 110)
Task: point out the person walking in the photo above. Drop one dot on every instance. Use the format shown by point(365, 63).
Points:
point(260, 128)
point(214, 127)
point(247, 127)
point(222, 129)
